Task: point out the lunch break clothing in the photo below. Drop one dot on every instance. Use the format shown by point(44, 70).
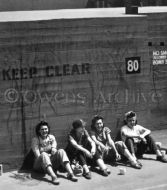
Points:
point(42, 150)
point(136, 130)
point(40, 145)
point(77, 155)
point(135, 145)
point(102, 137)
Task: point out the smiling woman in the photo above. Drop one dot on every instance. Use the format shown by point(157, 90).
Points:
point(47, 157)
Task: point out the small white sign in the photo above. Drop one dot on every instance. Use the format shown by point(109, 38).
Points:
point(160, 57)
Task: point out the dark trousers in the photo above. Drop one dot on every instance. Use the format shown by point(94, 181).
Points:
point(140, 148)
point(83, 159)
point(74, 154)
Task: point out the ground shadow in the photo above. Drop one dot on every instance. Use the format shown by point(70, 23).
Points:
point(40, 176)
point(113, 164)
point(96, 170)
point(144, 158)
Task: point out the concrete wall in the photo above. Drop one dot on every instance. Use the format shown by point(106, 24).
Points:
point(74, 68)
point(157, 43)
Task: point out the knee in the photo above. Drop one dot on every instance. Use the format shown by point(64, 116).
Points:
point(123, 146)
point(61, 152)
point(121, 143)
point(44, 155)
point(148, 137)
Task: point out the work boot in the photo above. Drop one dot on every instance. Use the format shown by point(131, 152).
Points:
point(104, 172)
point(55, 180)
point(135, 165)
point(87, 175)
point(139, 163)
point(72, 177)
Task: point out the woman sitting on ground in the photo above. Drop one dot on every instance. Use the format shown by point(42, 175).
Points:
point(81, 148)
point(109, 150)
point(47, 158)
point(138, 139)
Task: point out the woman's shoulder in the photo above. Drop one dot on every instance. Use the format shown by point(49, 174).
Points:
point(52, 137)
point(86, 132)
point(124, 127)
point(139, 126)
point(35, 141)
point(71, 134)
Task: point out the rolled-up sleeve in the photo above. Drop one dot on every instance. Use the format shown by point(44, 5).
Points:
point(54, 142)
point(35, 147)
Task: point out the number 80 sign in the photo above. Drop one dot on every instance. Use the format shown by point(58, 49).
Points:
point(132, 65)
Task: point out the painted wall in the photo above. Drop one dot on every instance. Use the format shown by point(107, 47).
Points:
point(67, 69)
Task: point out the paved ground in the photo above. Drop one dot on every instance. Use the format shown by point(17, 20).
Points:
point(153, 175)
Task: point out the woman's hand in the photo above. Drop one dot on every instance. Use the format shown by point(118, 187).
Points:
point(53, 151)
point(93, 151)
point(118, 156)
point(105, 149)
point(143, 139)
point(88, 154)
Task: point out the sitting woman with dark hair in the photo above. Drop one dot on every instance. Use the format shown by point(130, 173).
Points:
point(109, 150)
point(138, 139)
point(47, 158)
point(81, 148)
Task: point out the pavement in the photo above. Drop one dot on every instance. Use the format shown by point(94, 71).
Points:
point(153, 176)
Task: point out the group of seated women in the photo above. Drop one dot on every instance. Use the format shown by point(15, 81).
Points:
point(93, 149)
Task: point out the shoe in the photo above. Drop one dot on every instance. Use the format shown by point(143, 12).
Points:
point(162, 159)
point(135, 165)
point(72, 177)
point(55, 181)
point(139, 163)
point(159, 144)
point(104, 172)
point(87, 175)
